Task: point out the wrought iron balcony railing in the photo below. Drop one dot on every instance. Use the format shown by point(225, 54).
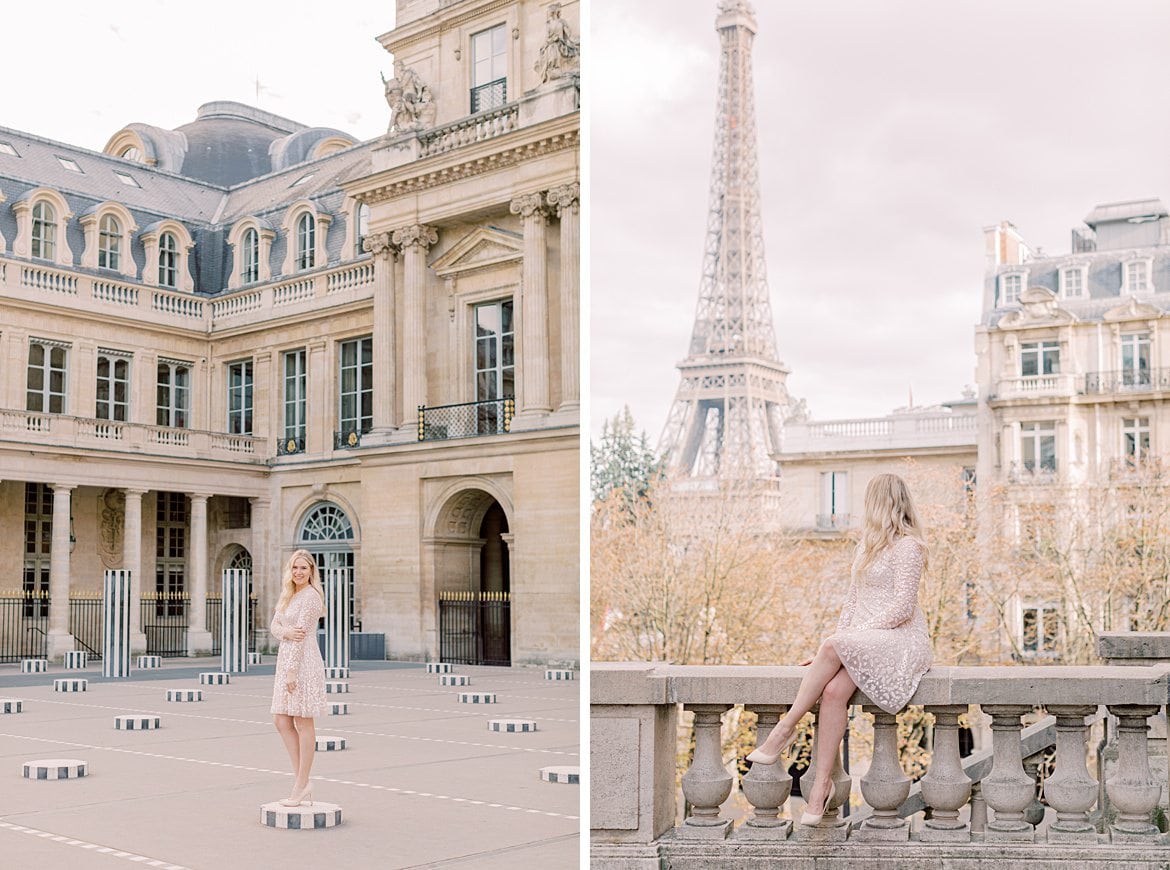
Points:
point(1128, 380)
point(289, 445)
point(1027, 472)
point(489, 96)
point(466, 420)
point(347, 439)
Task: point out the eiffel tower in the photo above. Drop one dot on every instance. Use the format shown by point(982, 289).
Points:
point(727, 415)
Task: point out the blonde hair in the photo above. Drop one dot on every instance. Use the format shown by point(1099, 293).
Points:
point(288, 589)
point(889, 515)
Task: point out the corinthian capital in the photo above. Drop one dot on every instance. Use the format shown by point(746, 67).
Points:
point(418, 234)
point(567, 196)
point(379, 244)
point(530, 205)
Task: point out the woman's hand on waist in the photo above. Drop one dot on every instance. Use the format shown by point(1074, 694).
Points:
point(296, 635)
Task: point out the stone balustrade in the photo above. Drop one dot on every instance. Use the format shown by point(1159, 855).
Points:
point(106, 295)
point(636, 823)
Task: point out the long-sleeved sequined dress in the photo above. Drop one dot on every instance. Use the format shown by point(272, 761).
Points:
point(299, 662)
point(881, 636)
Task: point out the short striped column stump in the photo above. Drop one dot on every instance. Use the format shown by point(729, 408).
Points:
point(337, 708)
point(338, 688)
point(560, 675)
point(76, 660)
point(70, 684)
point(214, 678)
point(337, 673)
point(34, 666)
point(439, 667)
point(255, 658)
point(477, 697)
point(11, 705)
point(302, 818)
point(184, 694)
point(454, 680)
point(137, 723)
point(569, 775)
point(146, 663)
point(512, 726)
point(55, 768)
point(330, 744)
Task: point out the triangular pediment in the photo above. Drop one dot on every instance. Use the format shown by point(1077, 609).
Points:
point(482, 247)
point(1131, 309)
point(1038, 307)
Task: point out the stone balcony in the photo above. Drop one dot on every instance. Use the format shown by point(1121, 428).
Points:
point(895, 432)
point(978, 810)
point(1037, 386)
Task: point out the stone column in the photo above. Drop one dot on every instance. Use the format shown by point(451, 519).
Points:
point(385, 365)
point(766, 786)
point(706, 784)
point(534, 401)
point(885, 786)
point(567, 202)
point(946, 788)
point(320, 402)
point(132, 561)
point(60, 640)
point(1132, 789)
point(414, 242)
point(1071, 791)
point(1008, 789)
point(198, 637)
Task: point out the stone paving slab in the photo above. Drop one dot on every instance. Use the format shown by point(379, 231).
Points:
point(422, 781)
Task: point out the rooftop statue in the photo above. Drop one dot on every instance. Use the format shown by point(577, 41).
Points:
point(559, 53)
point(410, 101)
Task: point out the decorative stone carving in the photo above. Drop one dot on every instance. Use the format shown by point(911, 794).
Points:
point(418, 235)
point(380, 244)
point(530, 205)
point(1038, 305)
point(112, 510)
point(560, 52)
point(411, 102)
point(563, 197)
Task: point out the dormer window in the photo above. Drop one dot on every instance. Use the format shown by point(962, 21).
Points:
point(1011, 284)
point(363, 227)
point(44, 231)
point(110, 243)
point(1072, 282)
point(1136, 276)
point(168, 260)
point(306, 241)
point(251, 266)
point(489, 59)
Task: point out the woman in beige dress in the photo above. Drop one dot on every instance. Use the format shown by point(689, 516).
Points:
point(298, 694)
point(880, 645)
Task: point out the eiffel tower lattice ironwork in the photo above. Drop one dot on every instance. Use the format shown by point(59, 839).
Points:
point(728, 413)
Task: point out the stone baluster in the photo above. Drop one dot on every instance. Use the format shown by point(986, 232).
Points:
point(1071, 790)
point(766, 786)
point(832, 827)
point(978, 809)
point(706, 785)
point(946, 788)
point(1034, 812)
point(1008, 789)
point(885, 785)
point(1132, 789)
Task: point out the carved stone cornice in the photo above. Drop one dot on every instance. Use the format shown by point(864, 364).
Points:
point(529, 205)
point(567, 196)
point(380, 245)
point(417, 234)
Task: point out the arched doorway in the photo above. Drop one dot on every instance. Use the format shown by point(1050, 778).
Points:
point(327, 533)
point(473, 579)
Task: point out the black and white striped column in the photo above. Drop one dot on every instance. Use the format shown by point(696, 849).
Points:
point(336, 618)
point(234, 636)
point(116, 616)
point(76, 660)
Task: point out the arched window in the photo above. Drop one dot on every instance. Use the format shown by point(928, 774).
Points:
point(241, 560)
point(44, 231)
point(362, 222)
point(110, 243)
point(327, 533)
point(131, 152)
point(306, 241)
point(168, 260)
point(251, 254)
point(325, 523)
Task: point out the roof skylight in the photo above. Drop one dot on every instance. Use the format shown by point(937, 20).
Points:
point(66, 163)
point(126, 179)
point(6, 148)
point(302, 180)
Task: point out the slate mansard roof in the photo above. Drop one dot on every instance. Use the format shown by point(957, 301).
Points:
point(233, 161)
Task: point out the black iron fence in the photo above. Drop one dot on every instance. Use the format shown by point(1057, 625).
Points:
point(24, 625)
point(489, 96)
point(86, 623)
point(466, 419)
point(164, 622)
point(214, 613)
point(475, 628)
point(1128, 380)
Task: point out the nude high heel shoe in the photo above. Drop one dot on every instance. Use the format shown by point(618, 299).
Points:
point(814, 819)
point(304, 796)
point(758, 756)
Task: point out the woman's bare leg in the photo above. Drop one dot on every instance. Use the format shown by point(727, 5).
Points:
point(825, 666)
point(832, 718)
point(288, 734)
point(307, 729)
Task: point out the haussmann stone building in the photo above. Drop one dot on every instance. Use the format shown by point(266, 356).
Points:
point(246, 335)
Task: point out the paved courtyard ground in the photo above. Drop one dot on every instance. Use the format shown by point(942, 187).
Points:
point(422, 782)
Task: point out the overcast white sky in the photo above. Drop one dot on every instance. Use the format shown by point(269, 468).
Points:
point(80, 71)
point(890, 134)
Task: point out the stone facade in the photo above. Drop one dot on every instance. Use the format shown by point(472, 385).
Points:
point(369, 349)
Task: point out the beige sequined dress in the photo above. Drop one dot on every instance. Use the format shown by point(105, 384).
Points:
point(881, 637)
point(299, 662)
